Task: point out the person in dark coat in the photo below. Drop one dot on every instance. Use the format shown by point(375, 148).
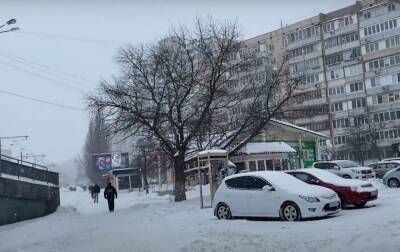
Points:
point(91, 191)
point(96, 191)
point(110, 193)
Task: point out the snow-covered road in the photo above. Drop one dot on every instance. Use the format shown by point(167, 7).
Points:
point(152, 223)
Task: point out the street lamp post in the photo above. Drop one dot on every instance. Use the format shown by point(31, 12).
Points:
point(5, 138)
point(9, 22)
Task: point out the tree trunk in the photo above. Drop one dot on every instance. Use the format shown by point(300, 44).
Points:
point(179, 165)
point(146, 183)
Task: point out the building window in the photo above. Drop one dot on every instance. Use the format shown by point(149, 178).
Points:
point(336, 90)
point(334, 58)
point(348, 38)
point(393, 41)
point(383, 62)
point(335, 74)
point(341, 140)
point(352, 54)
point(379, 99)
point(345, 21)
point(358, 103)
point(301, 51)
point(353, 70)
point(332, 42)
point(329, 27)
point(381, 27)
point(338, 106)
point(355, 87)
point(372, 47)
point(341, 123)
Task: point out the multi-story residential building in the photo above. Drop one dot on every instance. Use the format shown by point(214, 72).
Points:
point(349, 65)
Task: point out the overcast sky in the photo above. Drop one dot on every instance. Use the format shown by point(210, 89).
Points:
point(64, 47)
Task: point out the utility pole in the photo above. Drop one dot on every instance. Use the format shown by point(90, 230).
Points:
point(6, 138)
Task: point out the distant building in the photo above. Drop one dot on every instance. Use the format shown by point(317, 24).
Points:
point(349, 64)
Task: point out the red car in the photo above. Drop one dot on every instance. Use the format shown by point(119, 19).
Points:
point(350, 191)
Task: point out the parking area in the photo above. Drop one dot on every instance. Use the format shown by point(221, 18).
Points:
point(153, 223)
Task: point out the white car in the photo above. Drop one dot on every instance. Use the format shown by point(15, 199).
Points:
point(272, 194)
point(346, 169)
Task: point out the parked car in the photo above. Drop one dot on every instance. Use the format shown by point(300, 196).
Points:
point(392, 178)
point(392, 159)
point(346, 169)
point(272, 194)
point(350, 191)
point(381, 168)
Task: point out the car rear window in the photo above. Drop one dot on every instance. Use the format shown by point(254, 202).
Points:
point(246, 182)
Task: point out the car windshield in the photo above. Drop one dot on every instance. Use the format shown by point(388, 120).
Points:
point(347, 163)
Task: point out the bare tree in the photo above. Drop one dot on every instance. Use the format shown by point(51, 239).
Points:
point(144, 157)
point(178, 90)
point(364, 135)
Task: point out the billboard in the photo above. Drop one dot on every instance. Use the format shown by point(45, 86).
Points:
point(105, 162)
point(102, 162)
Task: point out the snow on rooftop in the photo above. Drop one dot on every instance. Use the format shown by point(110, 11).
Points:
point(267, 147)
point(212, 152)
point(299, 128)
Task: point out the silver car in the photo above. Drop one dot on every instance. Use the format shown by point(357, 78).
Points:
point(392, 178)
point(381, 168)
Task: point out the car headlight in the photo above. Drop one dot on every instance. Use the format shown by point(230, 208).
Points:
point(309, 199)
point(356, 171)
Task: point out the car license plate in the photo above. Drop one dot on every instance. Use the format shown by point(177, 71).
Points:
point(334, 204)
point(374, 193)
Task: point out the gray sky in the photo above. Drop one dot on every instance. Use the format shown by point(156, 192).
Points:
point(65, 47)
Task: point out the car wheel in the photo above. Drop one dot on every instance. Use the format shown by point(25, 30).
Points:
point(393, 183)
point(359, 205)
point(347, 176)
point(290, 212)
point(223, 212)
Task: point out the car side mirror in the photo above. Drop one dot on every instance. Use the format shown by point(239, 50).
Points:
point(268, 188)
point(336, 167)
point(314, 181)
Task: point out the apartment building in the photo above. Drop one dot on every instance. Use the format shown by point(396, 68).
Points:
point(349, 65)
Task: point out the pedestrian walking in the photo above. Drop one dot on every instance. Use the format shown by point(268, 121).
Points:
point(96, 191)
point(91, 191)
point(110, 193)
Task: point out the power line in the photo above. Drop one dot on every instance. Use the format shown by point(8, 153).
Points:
point(71, 38)
point(47, 69)
point(52, 80)
point(41, 101)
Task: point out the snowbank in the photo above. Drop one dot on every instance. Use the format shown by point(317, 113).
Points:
point(152, 223)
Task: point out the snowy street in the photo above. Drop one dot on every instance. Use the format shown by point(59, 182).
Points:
point(153, 223)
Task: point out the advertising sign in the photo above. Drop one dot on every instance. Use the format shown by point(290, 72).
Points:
point(102, 162)
point(116, 160)
point(105, 162)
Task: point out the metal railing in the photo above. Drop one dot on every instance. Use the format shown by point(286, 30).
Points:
point(24, 169)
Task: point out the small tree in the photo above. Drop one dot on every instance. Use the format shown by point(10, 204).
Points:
point(178, 90)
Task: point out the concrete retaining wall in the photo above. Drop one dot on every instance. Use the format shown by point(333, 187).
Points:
point(20, 200)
